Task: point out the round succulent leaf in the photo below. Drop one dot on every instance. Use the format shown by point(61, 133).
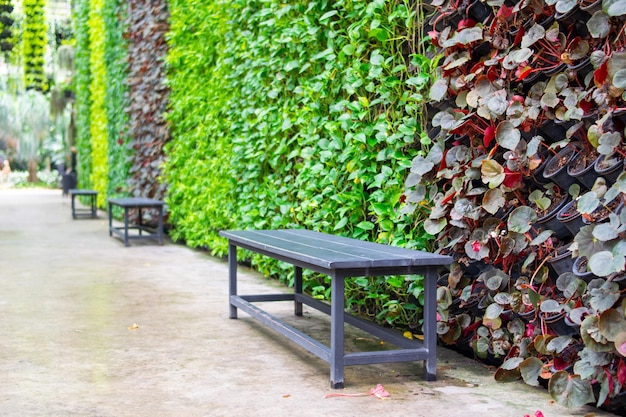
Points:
point(587, 203)
point(493, 311)
point(570, 390)
point(564, 6)
point(511, 363)
point(532, 35)
point(530, 370)
point(417, 195)
point(434, 226)
point(476, 250)
point(541, 237)
point(578, 314)
point(502, 298)
point(570, 285)
point(603, 294)
point(521, 219)
point(620, 343)
point(507, 135)
point(587, 243)
point(452, 335)
point(421, 165)
point(412, 180)
point(492, 173)
point(541, 343)
point(619, 79)
point(614, 8)
point(605, 232)
point(580, 49)
point(611, 323)
point(604, 263)
point(438, 90)
point(550, 306)
point(550, 99)
point(497, 104)
point(559, 343)
point(493, 200)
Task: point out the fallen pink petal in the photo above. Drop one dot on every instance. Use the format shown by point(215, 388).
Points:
point(378, 392)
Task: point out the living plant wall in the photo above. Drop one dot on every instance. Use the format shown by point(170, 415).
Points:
point(121, 96)
point(34, 41)
point(83, 94)
point(527, 184)
point(119, 152)
point(299, 114)
point(97, 110)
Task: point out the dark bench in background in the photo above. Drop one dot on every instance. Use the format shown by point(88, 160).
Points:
point(339, 258)
point(92, 211)
point(136, 204)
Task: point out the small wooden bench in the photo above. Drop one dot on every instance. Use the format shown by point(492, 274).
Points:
point(339, 258)
point(139, 204)
point(92, 211)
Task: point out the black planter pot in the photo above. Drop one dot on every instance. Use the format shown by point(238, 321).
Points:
point(478, 11)
point(556, 323)
point(570, 217)
point(558, 174)
point(552, 132)
point(587, 176)
point(592, 8)
point(610, 172)
point(581, 69)
point(579, 268)
point(550, 222)
point(562, 262)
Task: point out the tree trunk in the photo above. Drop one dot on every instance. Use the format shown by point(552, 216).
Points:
point(32, 170)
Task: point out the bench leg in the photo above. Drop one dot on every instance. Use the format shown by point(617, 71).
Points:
point(232, 277)
point(73, 207)
point(336, 331)
point(110, 219)
point(297, 289)
point(160, 224)
point(126, 226)
point(94, 211)
point(430, 324)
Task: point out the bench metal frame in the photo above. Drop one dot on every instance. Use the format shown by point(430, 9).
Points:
point(92, 211)
point(339, 258)
point(139, 204)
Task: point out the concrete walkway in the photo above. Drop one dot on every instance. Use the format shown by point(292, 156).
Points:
point(89, 327)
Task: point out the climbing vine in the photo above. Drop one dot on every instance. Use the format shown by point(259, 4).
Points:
point(34, 41)
point(98, 90)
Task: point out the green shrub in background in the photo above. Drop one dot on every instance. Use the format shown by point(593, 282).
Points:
point(83, 93)
point(304, 114)
point(115, 55)
point(34, 42)
point(98, 93)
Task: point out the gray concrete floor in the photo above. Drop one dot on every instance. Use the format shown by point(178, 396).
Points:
point(89, 327)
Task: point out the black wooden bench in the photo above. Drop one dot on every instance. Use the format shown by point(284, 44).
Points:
point(139, 204)
point(92, 211)
point(339, 258)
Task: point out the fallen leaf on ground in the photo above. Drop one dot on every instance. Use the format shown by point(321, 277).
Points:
point(378, 392)
point(135, 326)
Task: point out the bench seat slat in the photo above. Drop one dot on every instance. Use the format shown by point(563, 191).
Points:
point(332, 252)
